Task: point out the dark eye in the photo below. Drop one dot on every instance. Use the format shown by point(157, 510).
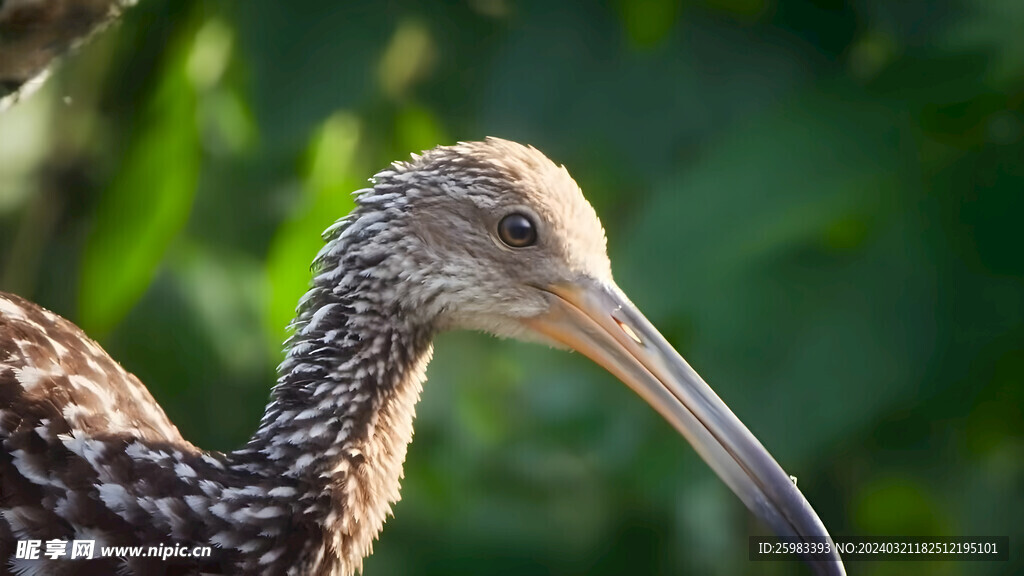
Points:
point(517, 231)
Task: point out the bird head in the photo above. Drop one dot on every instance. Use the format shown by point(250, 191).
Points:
point(493, 236)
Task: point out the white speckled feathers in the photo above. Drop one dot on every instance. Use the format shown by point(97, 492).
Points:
point(87, 452)
point(54, 364)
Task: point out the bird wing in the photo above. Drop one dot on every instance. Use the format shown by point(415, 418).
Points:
point(67, 412)
point(53, 375)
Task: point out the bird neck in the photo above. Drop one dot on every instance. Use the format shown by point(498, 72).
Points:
point(348, 365)
point(340, 416)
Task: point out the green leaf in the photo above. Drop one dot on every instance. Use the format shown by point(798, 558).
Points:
point(648, 22)
point(148, 202)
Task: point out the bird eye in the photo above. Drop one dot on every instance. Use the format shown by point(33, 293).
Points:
point(517, 231)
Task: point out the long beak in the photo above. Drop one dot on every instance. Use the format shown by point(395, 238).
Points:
point(599, 321)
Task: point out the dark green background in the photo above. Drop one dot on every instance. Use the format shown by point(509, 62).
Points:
point(819, 203)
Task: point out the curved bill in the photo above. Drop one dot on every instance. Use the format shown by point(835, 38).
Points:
point(598, 321)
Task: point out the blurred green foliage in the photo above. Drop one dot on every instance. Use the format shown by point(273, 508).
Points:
point(818, 202)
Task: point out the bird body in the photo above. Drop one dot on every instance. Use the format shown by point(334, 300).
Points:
point(89, 455)
point(488, 236)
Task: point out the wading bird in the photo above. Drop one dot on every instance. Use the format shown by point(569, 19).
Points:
point(488, 236)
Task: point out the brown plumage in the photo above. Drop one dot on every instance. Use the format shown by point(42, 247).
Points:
point(488, 236)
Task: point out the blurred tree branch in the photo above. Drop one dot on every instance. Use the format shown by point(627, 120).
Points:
point(33, 33)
